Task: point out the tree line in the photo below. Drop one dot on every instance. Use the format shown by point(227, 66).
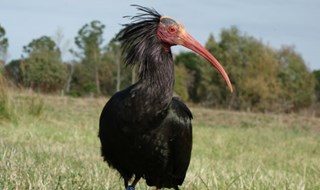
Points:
point(264, 78)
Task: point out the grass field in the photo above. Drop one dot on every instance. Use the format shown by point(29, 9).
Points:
point(51, 142)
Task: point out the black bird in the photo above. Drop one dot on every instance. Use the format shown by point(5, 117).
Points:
point(144, 130)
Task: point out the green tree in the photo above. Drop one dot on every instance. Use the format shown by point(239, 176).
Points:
point(81, 80)
point(218, 94)
point(43, 69)
point(296, 80)
point(89, 41)
point(316, 75)
point(14, 71)
point(182, 80)
point(113, 54)
point(192, 63)
point(112, 74)
point(263, 78)
point(121, 75)
point(253, 69)
point(200, 76)
point(4, 43)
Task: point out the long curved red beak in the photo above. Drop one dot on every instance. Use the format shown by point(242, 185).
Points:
point(186, 40)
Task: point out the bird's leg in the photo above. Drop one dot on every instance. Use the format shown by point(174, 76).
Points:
point(126, 183)
point(134, 183)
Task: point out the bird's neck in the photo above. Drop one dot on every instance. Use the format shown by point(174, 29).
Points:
point(155, 87)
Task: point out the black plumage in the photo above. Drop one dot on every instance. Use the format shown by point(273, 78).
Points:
point(144, 130)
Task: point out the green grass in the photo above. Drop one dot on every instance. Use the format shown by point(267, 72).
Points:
point(53, 144)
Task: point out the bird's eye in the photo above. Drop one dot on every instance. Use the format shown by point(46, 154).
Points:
point(172, 29)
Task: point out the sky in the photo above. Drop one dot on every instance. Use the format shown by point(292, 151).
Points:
point(275, 22)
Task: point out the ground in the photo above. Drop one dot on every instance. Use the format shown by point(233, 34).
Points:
point(50, 142)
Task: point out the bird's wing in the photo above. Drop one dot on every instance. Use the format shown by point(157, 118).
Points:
point(182, 141)
point(181, 109)
point(116, 107)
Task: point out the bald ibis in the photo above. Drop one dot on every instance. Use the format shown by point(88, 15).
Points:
point(144, 131)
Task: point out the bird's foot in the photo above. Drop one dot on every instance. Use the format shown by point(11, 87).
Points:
point(130, 187)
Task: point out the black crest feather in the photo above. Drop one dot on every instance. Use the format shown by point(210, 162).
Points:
point(138, 38)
